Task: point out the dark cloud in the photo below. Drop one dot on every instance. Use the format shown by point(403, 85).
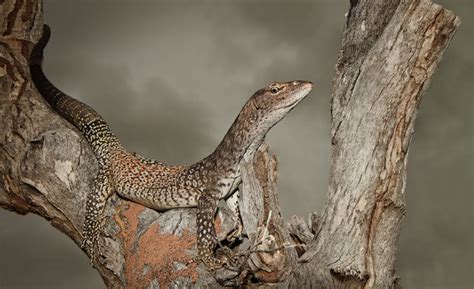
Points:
point(150, 116)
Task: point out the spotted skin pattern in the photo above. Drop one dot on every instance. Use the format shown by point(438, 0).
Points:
point(160, 186)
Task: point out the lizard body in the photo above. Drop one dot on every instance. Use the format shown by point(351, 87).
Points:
point(160, 186)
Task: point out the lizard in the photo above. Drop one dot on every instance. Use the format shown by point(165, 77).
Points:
point(157, 185)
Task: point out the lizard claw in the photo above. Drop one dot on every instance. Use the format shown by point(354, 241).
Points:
point(83, 243)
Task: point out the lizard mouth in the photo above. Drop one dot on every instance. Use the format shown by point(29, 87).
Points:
point(298, 95)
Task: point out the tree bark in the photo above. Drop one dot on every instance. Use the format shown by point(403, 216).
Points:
point(390, 50)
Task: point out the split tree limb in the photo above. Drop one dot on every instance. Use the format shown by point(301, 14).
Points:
point(389, 54)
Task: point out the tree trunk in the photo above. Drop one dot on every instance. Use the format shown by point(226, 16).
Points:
point(390, 50)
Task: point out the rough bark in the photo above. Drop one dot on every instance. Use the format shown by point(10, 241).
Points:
point(390, 50)
point(389, 53)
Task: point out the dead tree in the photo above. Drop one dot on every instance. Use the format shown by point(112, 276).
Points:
point(390, 50)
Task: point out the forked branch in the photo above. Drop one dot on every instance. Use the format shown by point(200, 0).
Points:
point(390, 50)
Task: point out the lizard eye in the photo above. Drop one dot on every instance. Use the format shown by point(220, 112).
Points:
point(274, 90)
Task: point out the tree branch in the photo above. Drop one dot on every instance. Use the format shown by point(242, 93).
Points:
point(389, 53)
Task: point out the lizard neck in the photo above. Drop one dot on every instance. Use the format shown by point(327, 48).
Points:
point(241, 141)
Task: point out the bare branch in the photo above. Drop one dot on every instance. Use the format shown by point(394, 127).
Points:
point(389, 53)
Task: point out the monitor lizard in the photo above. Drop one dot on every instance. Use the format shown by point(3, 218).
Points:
point(160, 186)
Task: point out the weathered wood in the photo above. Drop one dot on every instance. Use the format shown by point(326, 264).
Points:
point(390, 51)
point(263, 223)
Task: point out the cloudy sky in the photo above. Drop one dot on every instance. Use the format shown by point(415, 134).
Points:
point(170, 76)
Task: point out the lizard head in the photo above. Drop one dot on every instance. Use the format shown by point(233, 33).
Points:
point(270, 104)
point(261, 112)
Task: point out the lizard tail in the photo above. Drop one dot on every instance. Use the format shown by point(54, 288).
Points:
point(36, 57)
point(87, 120)
point(73, 110)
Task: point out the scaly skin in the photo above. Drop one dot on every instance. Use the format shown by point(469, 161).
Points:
point(160, 186)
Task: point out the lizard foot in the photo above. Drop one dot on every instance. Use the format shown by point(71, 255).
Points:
point(232, 260)
point(212, 263)
point(92, 246)
point(90, 241)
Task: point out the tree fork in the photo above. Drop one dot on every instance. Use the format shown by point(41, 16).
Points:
point(390, 50)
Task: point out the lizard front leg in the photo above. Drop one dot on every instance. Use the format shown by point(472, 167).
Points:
point(96, 200)
point(206, 233)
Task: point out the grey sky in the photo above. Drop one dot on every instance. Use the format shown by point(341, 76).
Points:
point(170, 76)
